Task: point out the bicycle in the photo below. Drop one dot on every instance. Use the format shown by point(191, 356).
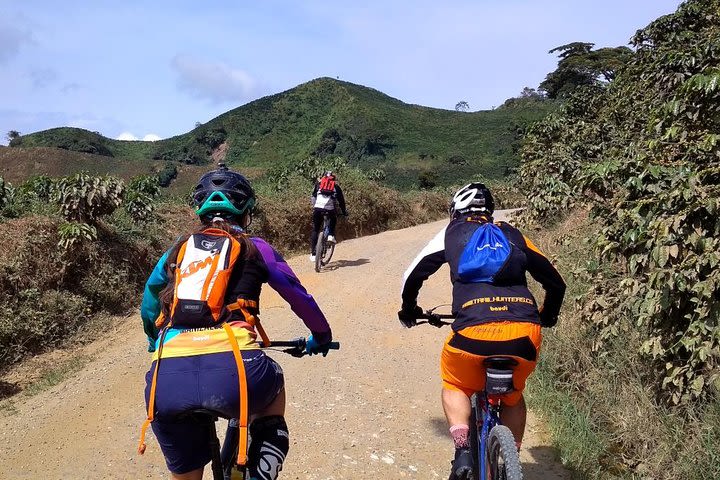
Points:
point(492, 444)
point(223, 460)
point(323, 249)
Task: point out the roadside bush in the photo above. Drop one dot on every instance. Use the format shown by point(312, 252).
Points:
point(596, 392)
point(643, 152)
point(84, 198)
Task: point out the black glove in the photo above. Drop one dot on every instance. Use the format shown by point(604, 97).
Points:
point(345, 214)
point(408, 315)
point(546, 320)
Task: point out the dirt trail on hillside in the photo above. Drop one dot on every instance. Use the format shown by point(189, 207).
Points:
point(371, 410)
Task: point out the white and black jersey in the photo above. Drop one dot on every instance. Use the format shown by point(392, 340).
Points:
point(324, 201)
point(507, 298)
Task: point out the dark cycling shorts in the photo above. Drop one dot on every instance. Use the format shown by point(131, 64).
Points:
point(205, 381)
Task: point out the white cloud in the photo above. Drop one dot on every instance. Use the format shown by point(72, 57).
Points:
point(214, 81)
point(127, 136)
point(150, 137)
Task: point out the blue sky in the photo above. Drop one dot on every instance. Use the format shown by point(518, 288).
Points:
point(151, 69)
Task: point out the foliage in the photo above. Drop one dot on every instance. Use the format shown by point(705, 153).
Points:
point(600, 408)
point(581, 65)
point(167, 174)
point(140, 197)
point(321, 118)
point(644, 153)
point(72, 234)
point(462, 106)
point(84, 198)
point(12, 136)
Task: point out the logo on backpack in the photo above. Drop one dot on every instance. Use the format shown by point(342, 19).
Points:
point(201, 278)
point(327, 185)
point(484, 255)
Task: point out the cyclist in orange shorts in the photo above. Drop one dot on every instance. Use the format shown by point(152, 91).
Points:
point(495, 313)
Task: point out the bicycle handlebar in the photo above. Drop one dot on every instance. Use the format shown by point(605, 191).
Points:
point(295, 347)
point(435, 319)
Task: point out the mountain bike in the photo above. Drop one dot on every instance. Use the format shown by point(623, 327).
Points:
point(323, 249)
point(223, 460)
point(492, 444)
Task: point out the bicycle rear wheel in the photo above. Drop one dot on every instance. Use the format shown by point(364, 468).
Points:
point(319, 250)
point(502, 455)
point(328, 252)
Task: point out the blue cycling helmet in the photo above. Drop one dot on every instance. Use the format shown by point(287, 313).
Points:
point(223, 192)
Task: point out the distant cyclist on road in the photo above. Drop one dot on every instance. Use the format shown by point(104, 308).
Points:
point(200, 313)
point(324, 195)
point(494, 314)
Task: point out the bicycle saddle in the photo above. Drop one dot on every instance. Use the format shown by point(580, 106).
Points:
point(500, 363)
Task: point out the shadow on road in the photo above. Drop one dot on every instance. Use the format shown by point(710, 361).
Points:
point(439, 426)
point(8, 389)
point(346, 263)
point(546, 465)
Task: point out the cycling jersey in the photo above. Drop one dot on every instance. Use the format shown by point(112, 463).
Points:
point(507, 297)
point(327, 202)
point(245, 283)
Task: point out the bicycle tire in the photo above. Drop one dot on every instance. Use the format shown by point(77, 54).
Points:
point(319, 247)
point(328, 253)
point(503, 457)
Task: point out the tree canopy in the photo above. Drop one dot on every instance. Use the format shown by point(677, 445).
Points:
point(581, 65)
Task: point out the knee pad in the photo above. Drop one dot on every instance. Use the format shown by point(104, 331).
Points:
point(269, 446)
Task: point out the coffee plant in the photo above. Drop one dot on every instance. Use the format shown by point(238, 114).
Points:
point(644, 154)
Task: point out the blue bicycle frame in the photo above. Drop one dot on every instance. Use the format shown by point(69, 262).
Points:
point(490, 418)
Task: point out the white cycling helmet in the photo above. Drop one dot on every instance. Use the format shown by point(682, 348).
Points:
point(473, 197)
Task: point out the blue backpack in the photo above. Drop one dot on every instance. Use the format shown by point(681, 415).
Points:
point(484, 254)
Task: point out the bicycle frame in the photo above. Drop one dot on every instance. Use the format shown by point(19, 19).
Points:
point(490, 418)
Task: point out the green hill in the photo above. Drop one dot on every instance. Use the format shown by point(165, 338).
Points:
point(324, 118)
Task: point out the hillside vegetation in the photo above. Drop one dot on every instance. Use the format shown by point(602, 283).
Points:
point(642, 352)
point(323, 118)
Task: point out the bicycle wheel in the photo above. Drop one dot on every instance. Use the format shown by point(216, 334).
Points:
point(502, 455)
point(319, 250)
point(328, 252)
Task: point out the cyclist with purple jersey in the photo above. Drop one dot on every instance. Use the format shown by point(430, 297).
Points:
point(198, 364)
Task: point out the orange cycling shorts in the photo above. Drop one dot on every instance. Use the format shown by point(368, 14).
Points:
point(461, 361)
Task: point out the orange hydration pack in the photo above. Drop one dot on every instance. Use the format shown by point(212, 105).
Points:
point(327, 185)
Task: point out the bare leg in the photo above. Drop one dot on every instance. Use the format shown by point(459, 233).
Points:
point(194, 475)
point(456, 406)
point(514, 418)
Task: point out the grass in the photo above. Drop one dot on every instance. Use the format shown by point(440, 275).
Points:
point(48, 378)
point(56, 374)
point(372, 130)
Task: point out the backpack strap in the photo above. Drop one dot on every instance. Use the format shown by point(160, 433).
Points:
point(151, 401)
point(243, 304)
point(243, 389)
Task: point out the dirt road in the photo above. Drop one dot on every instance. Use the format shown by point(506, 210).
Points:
point(371, 410)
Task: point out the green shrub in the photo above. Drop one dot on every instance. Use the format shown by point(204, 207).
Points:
point(84, 198)
point(643, 152)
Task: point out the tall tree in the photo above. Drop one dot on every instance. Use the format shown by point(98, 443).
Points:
point(462, 106)
point(581, 65)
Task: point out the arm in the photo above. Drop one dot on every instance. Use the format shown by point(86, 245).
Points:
point(340, 198)
point(313, 196)
point(545, 273)
point(283, 280)
point(150, 307)
point(428, 261)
